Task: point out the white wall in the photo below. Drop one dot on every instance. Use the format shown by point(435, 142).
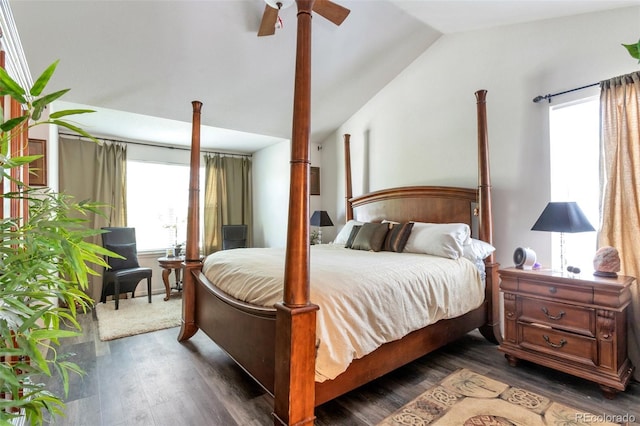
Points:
point(271, 170)
point(421, 128)
point(271, 195)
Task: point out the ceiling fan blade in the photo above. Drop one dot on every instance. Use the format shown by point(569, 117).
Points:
point(268, 23)
point(331, 11)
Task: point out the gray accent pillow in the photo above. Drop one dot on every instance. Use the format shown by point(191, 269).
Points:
point(370, 237)
point(352, 235)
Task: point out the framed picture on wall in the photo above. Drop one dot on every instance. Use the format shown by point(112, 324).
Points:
point(38, 168)
point(315, 181)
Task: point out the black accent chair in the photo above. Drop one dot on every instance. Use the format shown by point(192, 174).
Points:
point(234, 236)
point(125, 274)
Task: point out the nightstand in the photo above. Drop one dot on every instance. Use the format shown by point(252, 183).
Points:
point(575, 325)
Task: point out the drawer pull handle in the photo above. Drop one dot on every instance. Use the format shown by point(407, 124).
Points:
point(554, 345)
point(551, 317)
point(553, 290)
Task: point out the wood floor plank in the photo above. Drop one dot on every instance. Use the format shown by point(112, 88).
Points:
point(81, 412)
point(152, 380)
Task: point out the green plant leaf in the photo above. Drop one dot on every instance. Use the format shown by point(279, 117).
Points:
point(65, 368)
point(36, 113)
point(13, 123)
point(633, 49)
point(43, 80)
point(20, 161)
point(60, 114)
point(76, 129)
point(47, 99)
point(9, 87)
point(36, 357)
point(44, 334)
point(31, 321)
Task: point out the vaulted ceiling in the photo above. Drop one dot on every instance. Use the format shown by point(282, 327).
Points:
point(141, 63)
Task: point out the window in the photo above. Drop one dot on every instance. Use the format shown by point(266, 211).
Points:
point(574, 132)
point(157, 203)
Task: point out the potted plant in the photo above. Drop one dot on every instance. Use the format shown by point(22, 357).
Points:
point(45, 261)
point(314, 237)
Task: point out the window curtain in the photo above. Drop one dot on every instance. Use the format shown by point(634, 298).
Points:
point(620, 186)
point(227, 197)
point(95, 172)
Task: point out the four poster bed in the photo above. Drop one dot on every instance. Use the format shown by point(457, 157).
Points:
point(277, 344)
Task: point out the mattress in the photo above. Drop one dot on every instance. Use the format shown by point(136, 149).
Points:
point(366, 298)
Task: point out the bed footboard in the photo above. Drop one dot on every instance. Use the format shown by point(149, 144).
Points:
point(229, 322)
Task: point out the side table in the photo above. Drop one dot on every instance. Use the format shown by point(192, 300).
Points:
point(577, 325)
point(167, 264)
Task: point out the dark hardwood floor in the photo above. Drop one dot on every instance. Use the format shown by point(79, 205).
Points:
point(152, 379)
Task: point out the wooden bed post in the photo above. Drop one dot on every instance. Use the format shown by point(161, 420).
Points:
point(484, 179)
point(348, 212)
point(192, 250)
point(294, 387)
point(491, 331)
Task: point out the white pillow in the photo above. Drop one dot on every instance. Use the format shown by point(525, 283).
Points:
point(344, 233)
point(438, 239)
point(477, 249)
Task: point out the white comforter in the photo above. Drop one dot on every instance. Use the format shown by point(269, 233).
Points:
point(365, 298)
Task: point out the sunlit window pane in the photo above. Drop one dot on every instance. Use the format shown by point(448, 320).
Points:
point(574, 130)
point(157, 203)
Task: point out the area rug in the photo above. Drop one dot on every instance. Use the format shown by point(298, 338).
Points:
point(466, 398)
point(137, 316)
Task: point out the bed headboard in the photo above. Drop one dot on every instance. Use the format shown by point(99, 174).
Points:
point(433, 204)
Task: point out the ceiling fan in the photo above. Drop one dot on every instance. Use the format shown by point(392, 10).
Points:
point(325, 8)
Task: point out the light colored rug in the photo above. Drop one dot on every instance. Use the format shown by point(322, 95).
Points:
point(137, 316)
point(466, 398)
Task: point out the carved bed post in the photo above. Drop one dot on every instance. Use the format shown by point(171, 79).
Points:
point(192, 261)
point(491, 331)
point(294, 388)
point(348, 212)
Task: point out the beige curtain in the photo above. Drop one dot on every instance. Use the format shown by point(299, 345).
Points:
point(620, 186)
point(96, 172)
point(227, 197)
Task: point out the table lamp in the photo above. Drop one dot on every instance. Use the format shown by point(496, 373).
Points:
point(562, 217)
point(320, 218)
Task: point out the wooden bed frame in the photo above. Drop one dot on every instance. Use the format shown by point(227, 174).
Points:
point(276, 346)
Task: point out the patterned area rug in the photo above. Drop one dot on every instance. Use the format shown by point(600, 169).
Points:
point(466, 398)
point(137, 316)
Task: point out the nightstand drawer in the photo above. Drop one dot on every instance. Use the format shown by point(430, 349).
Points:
point(569, 346)
point(559, 292)
point(576, 319)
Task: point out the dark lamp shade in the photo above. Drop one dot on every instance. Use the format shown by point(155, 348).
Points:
point(321, 218)
point(562, 217)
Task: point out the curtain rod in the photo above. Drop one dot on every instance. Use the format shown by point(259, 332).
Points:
point(540, 98)
point(156, 145)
